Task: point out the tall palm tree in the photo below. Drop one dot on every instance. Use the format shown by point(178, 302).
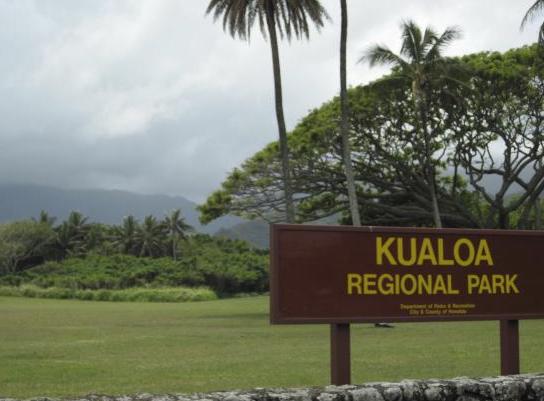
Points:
point(45, 218)
point(151, 236)
point(125, 236)
point(64, 239)
point(422, 66)
point(78, 222)
point(177, 228)
point(71, 235)
point(533, 11)
point(287, 18)
point(344, 123)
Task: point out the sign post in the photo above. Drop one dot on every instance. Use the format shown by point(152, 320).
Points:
point(340, 354)
point(509, 339)
point(339, 275)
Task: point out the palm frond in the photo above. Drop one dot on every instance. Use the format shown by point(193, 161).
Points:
point(449, 35)
point(290, 17)
point(296, 16)
point(411, 40)
point(429, 37)
point(532, 13)
point(381, 55)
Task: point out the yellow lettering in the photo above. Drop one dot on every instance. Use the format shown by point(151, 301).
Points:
point(457, 254)
point(403, 285)
point(451, 290)
point(400, 252)
point(397, 284)
point(485, 285)
point(425, 282)
point(382, 249)
point(387, 288)
point(354, 282)
point(472, 282)
point(510, 285)
point(498, 283)
point(426, 252)
point(439, 285)
point(442, 261)
point(369, 281)
point(483, 254)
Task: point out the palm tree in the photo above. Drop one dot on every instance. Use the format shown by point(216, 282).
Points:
point(344, 128)
point(284, 17)
point(177, 228)
point(125, 236)
point(78, 222)
point(45, 219)
point(422, 66)
point(71, 235)
point(536, 9)
point(151, 236)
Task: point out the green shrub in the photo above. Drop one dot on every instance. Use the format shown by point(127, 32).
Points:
point(227, 267)
point(128, 295)
point(10, 291)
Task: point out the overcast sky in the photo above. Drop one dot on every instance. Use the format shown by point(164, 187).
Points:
point(151, 96)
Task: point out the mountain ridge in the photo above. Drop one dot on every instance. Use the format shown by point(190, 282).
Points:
point(22, 201)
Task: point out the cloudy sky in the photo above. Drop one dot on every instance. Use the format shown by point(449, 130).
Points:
point(151, 96)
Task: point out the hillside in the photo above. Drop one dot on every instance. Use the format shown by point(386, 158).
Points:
point(255, 232)
point(103, 206)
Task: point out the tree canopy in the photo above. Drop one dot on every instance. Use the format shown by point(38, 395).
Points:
point(484, 132)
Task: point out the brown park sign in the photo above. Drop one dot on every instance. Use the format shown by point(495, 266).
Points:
point(332, 274)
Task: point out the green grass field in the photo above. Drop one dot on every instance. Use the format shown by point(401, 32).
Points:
point(68, 348)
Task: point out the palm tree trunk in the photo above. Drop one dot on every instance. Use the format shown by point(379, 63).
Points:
point(284, 151)
point(428, 166)
point(173, 247)
point(346, 147)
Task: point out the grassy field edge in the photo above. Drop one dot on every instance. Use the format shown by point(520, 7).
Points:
point(65, 348)
point(172, 294)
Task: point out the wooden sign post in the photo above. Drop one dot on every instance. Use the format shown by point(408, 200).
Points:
point(339, 275)
point(509, 339)
point(340, 354)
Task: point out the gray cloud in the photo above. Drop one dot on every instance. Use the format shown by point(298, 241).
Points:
point(152, 96)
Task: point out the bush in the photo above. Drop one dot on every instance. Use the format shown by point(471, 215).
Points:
point(227, 267)
point(180, 294)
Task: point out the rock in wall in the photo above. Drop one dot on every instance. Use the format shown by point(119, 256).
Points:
point(529, 387)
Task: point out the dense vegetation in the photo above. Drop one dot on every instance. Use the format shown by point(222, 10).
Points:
point(78, 257)
point(483, 146)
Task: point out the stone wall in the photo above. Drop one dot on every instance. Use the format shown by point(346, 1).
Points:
point(528, 387)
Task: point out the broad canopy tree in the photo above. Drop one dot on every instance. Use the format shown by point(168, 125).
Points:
point(474, 141)
point(500, 136)
point(23, 243)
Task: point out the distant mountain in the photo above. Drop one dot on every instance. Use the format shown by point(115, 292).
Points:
point(255, 232)
point(102, 206)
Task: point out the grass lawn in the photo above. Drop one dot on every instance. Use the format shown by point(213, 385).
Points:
point(70, 348)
